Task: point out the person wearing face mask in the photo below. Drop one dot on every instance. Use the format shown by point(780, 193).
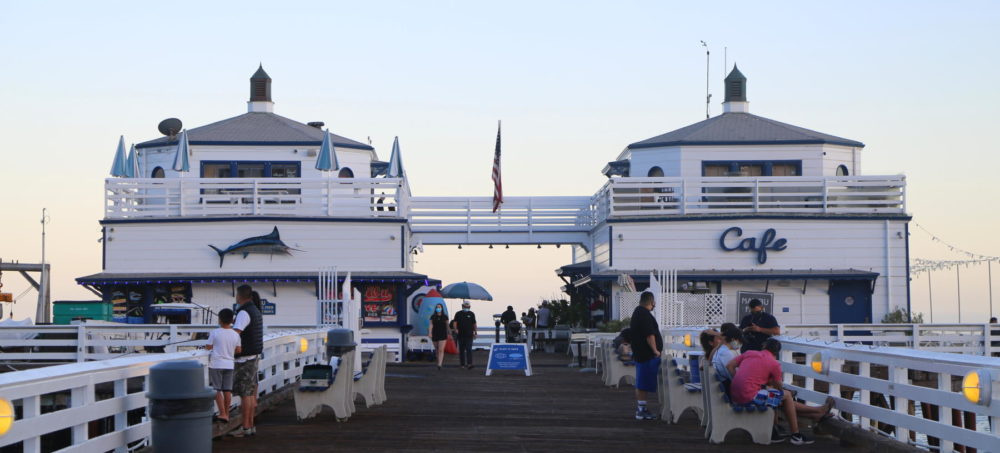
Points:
point(464, 325)
point(732, 339)
point(438, 328)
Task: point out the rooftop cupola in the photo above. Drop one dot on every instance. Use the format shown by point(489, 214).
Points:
point(736, 93)
point(260, 92)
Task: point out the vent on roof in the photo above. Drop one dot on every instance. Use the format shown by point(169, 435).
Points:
point(317, 124)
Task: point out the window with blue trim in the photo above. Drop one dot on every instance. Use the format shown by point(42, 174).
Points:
point(250, 169)
point(751, 168)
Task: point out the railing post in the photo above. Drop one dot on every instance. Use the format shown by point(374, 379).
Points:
point(121, 417)
point(683, 193)
point(180, 195)
point(826, 191)
point(254, 199)
point(898, 375)
point(81, 343)
point(530, 213)
point(468, 220)
point(756, 194)
point(944, 413)
point(172, 344)
point(329, 197)
point(840, 332)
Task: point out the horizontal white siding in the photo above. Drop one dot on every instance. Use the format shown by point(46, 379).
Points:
point(812, 244)
point(837, 156)
point(668, 159)
point(184, 246)
point(602, 248)
point(295, 303)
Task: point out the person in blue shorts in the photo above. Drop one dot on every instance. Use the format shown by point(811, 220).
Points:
point(646, 346)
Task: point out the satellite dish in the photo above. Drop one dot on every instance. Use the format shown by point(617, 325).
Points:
point(170, 127)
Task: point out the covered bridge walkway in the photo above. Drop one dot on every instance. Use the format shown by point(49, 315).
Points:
point(558, 409)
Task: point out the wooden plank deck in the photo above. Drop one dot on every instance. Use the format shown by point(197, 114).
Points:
point(559, 409)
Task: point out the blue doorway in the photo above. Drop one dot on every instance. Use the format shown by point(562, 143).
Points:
point(850, 301)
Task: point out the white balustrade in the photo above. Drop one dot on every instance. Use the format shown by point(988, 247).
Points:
point(670, 196)
point(975, 339)
point(309, 197)
point(86, 342)
point(856, 374)
point(109, 395)
point(518, 214)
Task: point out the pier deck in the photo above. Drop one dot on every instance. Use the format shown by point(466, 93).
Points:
point(558, 409)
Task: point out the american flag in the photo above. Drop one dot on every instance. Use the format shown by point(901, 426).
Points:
point(497, 185)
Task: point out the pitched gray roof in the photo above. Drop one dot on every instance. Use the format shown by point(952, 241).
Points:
point(736, 128)
point(257, 128)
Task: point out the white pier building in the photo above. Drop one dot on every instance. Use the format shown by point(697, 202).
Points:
point(736, 204)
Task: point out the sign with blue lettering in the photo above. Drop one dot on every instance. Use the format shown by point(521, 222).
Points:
point(267, 308)
point(767, 242)
point(509, 356)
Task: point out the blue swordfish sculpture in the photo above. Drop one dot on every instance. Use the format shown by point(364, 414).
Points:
point(270, 244)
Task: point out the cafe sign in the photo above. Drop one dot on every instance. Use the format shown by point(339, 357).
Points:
point(730, 241)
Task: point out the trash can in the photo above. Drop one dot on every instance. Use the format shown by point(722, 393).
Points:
point(180, 407)
point(339, 342)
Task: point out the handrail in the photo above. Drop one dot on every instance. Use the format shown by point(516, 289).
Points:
point(671, 196)
point(310, 197)
point(856, 374)
point(99, 391)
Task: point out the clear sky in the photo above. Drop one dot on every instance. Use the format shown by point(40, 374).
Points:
point(574, 82)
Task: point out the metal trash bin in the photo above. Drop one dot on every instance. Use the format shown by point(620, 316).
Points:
point(180, 407)
point(339, 342)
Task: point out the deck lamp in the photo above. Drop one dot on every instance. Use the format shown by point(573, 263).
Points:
point(303, 345)
point(977, 387)
point(821, 362)
point(6, 416)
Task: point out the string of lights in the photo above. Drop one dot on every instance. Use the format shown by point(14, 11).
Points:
point(921, 265)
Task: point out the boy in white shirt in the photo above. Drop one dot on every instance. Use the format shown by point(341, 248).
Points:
point(224, 343)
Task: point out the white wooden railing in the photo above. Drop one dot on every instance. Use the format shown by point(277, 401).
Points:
point(855, 375)
point(624, 197)
point(99, 396)
point(85, 342)
point(974, 339)
point(518, 214)
point(308, 197)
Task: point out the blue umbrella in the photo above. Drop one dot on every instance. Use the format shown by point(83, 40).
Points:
point(327, 159)
point(465, 290)
point(132, 167)
point(181, 158)
point(395, 161)
point(119, 168)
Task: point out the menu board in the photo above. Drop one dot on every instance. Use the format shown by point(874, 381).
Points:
point(379, 302)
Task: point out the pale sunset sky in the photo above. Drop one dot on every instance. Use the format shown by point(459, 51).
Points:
point(574, 82)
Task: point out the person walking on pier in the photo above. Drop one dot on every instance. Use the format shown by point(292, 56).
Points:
point(250, 325)
point(464, 326)
point(508, 316)
point(646, 346)
point(439, 332)
point(757, 327)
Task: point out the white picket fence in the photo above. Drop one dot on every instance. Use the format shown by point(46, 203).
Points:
point(75, 396)
point(680, 309)
point(849, 367)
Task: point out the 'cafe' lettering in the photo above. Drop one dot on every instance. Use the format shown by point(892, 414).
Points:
point(767, 242)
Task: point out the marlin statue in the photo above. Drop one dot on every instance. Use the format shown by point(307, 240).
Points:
point(270, 244)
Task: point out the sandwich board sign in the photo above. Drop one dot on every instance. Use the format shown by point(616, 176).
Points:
point(509, 356)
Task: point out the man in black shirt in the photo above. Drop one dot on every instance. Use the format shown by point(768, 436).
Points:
point(464, 325)
point(757, 327)
point(508, 316)
point(646, 346)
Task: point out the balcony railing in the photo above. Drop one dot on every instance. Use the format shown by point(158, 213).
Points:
point(129, 198)
point(627, 197)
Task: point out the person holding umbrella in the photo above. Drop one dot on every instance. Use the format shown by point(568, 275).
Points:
point(464, 327)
